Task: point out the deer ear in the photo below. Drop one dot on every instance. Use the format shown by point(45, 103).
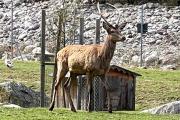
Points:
point(106, 27)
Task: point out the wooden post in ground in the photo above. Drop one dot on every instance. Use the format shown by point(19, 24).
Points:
point(97, 40)
point(96, 82)
point(134, 93)
point(42, 84)
point(79, 85)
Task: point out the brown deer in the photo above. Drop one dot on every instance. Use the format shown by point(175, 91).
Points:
point(90, 60)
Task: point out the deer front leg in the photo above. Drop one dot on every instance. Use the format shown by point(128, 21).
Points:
point(107, 87)
point(67, 87)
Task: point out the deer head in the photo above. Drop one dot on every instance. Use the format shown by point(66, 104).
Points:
point(113, 31)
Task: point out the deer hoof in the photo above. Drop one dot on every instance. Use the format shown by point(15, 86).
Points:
point(51, 107)
point(89, 110)
point(110, 110)
point(73, 109)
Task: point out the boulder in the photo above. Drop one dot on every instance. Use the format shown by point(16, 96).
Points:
point(19, 94)
point(151, 59)
point(34, 27)
point(168, 59)
point(169, 108)
point(169, 67)
point(29, 48)
point(6, 105)
point(22, 36)
point(135, 60)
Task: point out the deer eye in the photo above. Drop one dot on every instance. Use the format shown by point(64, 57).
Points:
point(112, 31)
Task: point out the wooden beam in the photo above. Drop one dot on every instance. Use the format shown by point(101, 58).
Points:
point(49, 63)
point(46, 54)
point(97, 91)
point(42, 83)
point(97, 40)
point(81, 37)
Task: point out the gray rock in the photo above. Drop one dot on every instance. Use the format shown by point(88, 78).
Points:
point(176, 16)
point(158, 42)
point(152, 40)
point(7, 1)
point(165, 26)
point(17, 3)
point(168, 59)
point(6, 18)
point(151, 59)
point(135, 60)
point(1, 3)
point(36, 50)
point(152, 5)
point(19, 94)
point(169, 108)
point(27, 24)
point(29, 48)
point(2, 47)
point(34, 27)
point(10, 106)
point(169, 67)
point(22, 36)
point(1, 15)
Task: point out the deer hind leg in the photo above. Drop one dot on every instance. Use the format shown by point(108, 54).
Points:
point(67, 87)
point(90, 90)
point(107, 87)
point(60, 76)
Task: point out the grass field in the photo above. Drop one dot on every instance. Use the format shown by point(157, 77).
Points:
point(154, 87)
point(64, 114)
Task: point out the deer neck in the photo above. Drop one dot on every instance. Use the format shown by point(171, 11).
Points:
point(108, 48)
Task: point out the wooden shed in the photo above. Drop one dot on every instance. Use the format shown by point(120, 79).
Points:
point(122, 83)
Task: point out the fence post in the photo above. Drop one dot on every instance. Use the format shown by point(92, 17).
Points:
point(97, 40)
point(42, 85)
point(96, 79)
point(12, 26)
point(141, 41)
point(80, 77)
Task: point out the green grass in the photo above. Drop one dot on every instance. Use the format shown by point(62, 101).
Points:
point(61, 114)
point(26, 72)
point(153, 88)
point(156, 87)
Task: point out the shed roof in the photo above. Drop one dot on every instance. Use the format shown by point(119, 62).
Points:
point(120, 69)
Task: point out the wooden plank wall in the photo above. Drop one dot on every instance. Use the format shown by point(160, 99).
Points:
point(122, 92)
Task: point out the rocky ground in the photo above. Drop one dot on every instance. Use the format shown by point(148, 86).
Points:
point(160, 45)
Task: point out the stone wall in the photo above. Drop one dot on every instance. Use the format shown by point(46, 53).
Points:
point(160, 44)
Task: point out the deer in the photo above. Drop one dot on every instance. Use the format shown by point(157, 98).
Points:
point(89, 60)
